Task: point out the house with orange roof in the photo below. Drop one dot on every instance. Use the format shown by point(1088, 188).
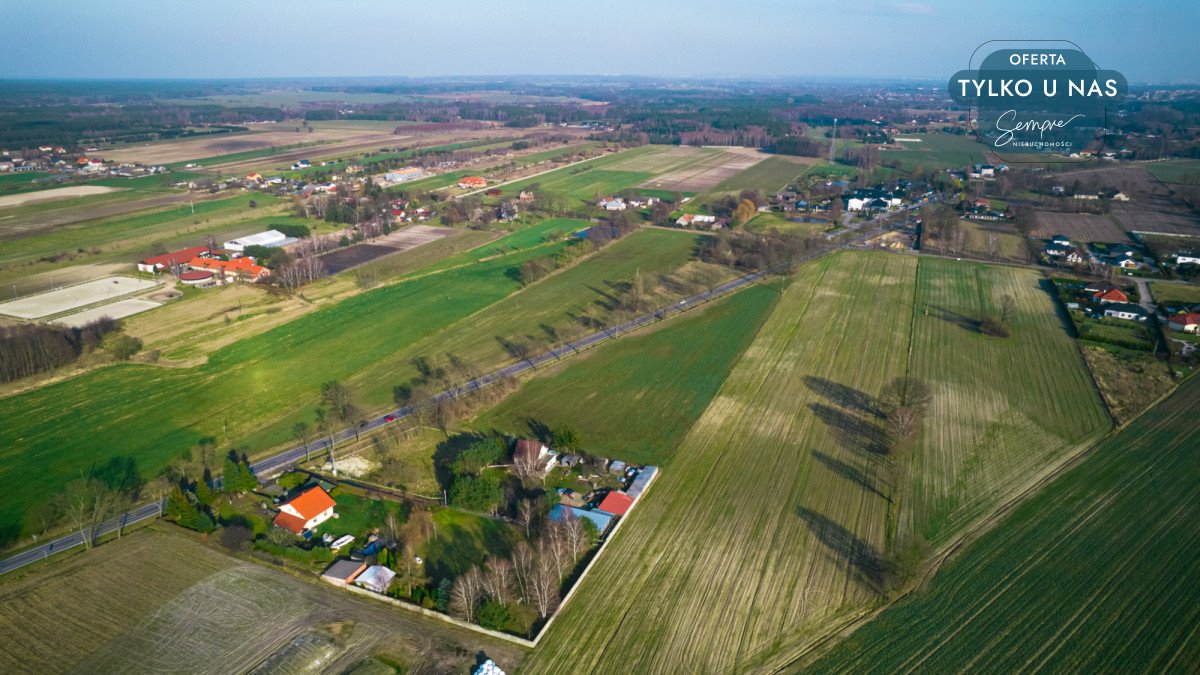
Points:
point(238, 268)
point(472, 182)
point(306, 511)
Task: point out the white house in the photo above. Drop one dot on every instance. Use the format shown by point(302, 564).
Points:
point(1187, 258)
point(403, 175)
point(689, 218)
point(1185, 323)
point(308, 510)
point(614, 204)
point(1124, 310)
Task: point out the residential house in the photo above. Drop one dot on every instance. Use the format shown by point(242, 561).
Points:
point(694, 219)
point(1060, 239)
point(306, 511)
point(343, 572)
point(612, 204)
point(1125, 310)
point(1078, 256)
point(1124, 261)
point(1100, 286)
point(158, 263)
point(470, 182)
point(1057, 250)
point(1111, 295)
point(302, 164)
point(238, 268)
point(1187, 258)
point(983, 171)
point(525, 196)
point(1185, 323)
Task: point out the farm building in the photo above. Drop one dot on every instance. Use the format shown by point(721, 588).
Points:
point(196, 277)
point(472, 182)
point(403, 175)
point(600, 519)
point(238, 268)
point(308, 510)
point(639, 484)
point(270, 239)
point(1187, 258)
point(612, 204)
point(1185, 323)
point(376, 578)
point(159, 263)
point(617, 503)
point(343, 572)
point(690, 218)
point(1125, 310)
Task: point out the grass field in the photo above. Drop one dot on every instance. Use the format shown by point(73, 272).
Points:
point(613, 173)
point(1168, 293)
point(982, 441)
point(770, 175)
point(773, 519)
point(655, 385)
point(1185, 171)
point(1010, 245)
point(250, 392)
point(1097, 573)
point(937, 151)
point(193, 605)
point(765, 222)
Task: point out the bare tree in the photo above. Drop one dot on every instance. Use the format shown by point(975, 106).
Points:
point(86, 502)
point(544, 585)
point(466, 593)
point(1008, 306)
point(524, 563)
point(992, 244)
point(498, 580)
point(526, 514)
point(575, 539)
point(157, 490)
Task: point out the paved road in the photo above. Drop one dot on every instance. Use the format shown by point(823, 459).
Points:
point(1146, 298)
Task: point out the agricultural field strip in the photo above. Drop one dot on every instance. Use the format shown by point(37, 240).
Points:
point(1078, 603)
point(697, 535)
point(113, 310)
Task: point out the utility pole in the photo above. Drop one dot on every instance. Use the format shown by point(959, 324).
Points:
point(833, 141)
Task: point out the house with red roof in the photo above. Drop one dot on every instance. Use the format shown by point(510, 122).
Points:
point(1185, 323)
point(238, 268)
point(616, 502)
point(306, 511)
point(1110, 295)
point(471, 182)
point(166, 261)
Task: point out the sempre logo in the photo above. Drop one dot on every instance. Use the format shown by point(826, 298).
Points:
point(1038, 100)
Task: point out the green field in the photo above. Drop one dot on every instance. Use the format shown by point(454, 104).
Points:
point(612, 173)
point(1165, 292)
point(1185, 171)
point(772, 522)
point(12, 183)
point(770, 175)
point(257, 387)
point(937, 151)
point(982, 441)
point(655, 385)
point(765, 222)
point(1097, 573)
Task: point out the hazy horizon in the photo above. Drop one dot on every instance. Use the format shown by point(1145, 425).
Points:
point(759, 39)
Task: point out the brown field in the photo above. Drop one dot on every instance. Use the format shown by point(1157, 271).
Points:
point(396, 242)
point(266, 136)
point(56, 193)
point(159, 601)
point(708, 172)
point(1080, 227)
point(1177, 223)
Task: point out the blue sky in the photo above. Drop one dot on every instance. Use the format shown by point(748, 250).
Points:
point(1147, 41)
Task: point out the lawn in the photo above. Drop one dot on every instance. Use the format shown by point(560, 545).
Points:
point(774, 520)
point(655, 385)
point(462, 540)
point(1167, 293)
point(1097, 573)
point(1184, 171)
point(250, 392)
point(765, 222)
point(937, 151)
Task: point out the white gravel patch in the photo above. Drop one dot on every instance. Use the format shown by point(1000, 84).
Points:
point(113, 310)
point(73, 297)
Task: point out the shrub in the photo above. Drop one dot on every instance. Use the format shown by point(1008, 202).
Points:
point(494, 615)
point(236, 538)
point(476, 493)
point(298, 231)
point(123, 346)
point(992, 325)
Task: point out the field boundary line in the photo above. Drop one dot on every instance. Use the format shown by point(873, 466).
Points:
point(442, 617)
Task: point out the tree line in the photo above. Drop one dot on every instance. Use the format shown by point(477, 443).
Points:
point(29, 349)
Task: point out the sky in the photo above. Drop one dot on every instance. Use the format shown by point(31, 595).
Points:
point(1150, 41)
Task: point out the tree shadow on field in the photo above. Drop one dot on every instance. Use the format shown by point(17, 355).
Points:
point(609, 301)
point(866, 565)
point(447, 451)
point(540, 430)
point(958, 319)
point(1064, 319)
point(850, 473)
point(844, 396)
point(854, 433)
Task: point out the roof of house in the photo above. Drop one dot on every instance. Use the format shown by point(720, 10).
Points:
point(377, 578)
point(1126, 307)
point(1100, 286)
point(600, 518)
point(268, 238)
point(1185, 319)
point(1114, 294)
point(195, 275)
point(616, 503)
point(244, 266)
point(309, 504)
point(472, 180)
point(180, 256)
point(344, 569)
